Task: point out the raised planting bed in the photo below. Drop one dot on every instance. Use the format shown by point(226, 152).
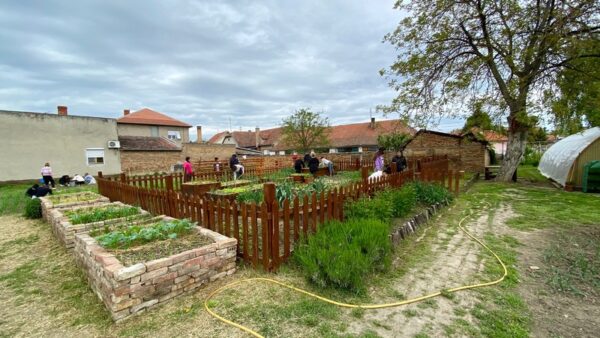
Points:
point(299, 178)
point(322, 171)
point(234, 184)
point(70, 200)
point(199, 187)
point(232, 193)
point(132, 276)
point(66, 222)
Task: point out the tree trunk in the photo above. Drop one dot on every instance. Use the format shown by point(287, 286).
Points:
point(517, 140)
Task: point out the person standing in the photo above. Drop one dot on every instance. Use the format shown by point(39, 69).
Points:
point(298, 164)
point(400, 161)
point(47, 174)
point(313, 164)
point(378, 159)
point(187, 170)
point(217, 165)
point(236, 167)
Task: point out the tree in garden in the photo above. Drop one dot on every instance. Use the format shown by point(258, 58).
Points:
point(478, 119)
point(503, 52)
point(393, 141)
point(305, 130)
point(575, 104)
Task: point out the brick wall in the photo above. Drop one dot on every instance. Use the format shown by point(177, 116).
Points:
point(463, 154)
point(207, 152)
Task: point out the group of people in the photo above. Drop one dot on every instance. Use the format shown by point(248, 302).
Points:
point(381, 169)
point(234, 164)
point(311, 162)
point(47, 182)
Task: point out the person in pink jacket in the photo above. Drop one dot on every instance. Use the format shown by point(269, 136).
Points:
point(187, 170)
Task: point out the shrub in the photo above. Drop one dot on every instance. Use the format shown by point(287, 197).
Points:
point(431, 193)
point(343, 254)
point(370, 208)
point(401, 200)
point(33, 208)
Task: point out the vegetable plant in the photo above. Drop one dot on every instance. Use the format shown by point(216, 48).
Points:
point(137, 234)
point(82, 216)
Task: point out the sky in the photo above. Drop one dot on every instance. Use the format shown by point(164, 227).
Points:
point(218, 64)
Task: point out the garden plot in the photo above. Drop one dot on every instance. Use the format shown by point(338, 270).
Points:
point(70, 200)
point(66, 222)
point(142, 266)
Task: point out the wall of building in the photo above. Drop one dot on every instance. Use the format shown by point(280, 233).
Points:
point(31, 139)
point(145, 162)
point(462, 153)
point(126, 129)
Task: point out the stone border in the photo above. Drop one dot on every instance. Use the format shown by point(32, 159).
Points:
point(65, 232)
point(47, 204)
point(126, 291)
point(410, 226)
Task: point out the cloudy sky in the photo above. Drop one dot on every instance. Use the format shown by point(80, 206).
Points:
point(204, 62)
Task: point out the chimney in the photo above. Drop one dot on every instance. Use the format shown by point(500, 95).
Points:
point(62, 110)
point(372, 123)
point(125, 112)
point(257, 137)
point(199, 131)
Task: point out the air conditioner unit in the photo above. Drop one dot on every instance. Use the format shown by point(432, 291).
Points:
point(114, 144)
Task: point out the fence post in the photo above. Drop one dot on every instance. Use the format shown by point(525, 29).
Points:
point(169, 182)
point(100, 174)
point(123, 178)
point(459, 175)
point(269, 198)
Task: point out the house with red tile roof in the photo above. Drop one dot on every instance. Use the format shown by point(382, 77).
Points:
point(146, 126)
point(355, 137)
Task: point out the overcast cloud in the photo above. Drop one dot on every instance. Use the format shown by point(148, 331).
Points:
point(204, 62)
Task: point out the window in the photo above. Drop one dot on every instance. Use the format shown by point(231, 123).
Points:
point(94, 156)
point(174, 135)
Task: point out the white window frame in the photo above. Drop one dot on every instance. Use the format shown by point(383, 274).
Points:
point(94, 151)
point(174, 135)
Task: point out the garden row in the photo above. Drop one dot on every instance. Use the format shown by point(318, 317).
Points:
point(134, 260)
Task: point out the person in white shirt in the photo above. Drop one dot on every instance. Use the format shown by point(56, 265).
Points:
point(327, 163)
point(47, 174)
point(78, 179)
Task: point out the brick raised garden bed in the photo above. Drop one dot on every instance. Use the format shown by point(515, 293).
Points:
point(65, 231)
point(70, 200)
point(129, 290)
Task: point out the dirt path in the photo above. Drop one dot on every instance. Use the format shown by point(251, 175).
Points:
point(455, 260)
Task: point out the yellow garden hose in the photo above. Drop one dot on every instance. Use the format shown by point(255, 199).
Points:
point(346, 305)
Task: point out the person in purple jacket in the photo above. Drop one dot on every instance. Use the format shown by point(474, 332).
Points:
point(378, 159)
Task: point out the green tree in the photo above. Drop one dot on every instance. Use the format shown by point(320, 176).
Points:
point(478, 119)
point(576, 102)
point(305, 130)
point(393, 141)
point(452, 52)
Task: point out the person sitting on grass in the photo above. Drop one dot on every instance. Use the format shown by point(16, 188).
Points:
point(36, 191)
point(78, 179)
point(89, 179)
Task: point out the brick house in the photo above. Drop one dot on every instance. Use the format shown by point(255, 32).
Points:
point(345, 138)
point(466, 152)
point(149, 123)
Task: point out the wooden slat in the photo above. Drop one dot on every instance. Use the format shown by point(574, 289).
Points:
point(305, 215)
point(227, 219)
point(314, 211)
point(254, 218)
point(245, 242)
point(286, 229)
point(274, 232)
point(236, 223)
point(264, 223)
point(296, 218)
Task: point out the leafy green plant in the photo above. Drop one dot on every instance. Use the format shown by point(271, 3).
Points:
point(33, 208)
point(136, 234)
point(342, 254)
point(402, 200)
point(250, 196)
point(370, 208)
point(100, 214)
point(279, 175)
point(431, 193)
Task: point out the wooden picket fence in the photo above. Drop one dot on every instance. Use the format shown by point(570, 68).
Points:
point(266, 232)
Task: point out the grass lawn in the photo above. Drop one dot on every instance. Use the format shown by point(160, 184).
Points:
point(558, 233)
